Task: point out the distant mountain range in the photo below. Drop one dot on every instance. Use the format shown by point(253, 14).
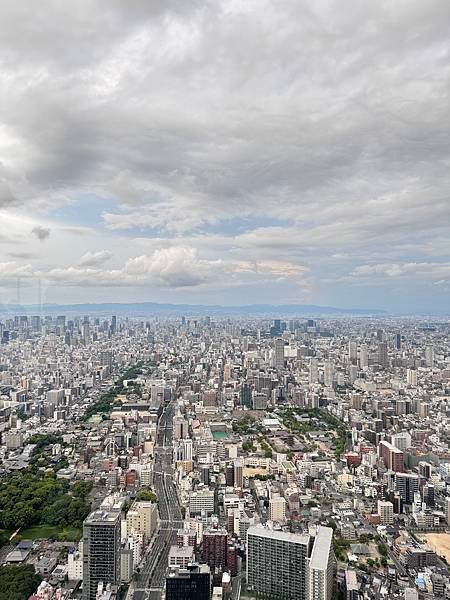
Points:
point(147, 309)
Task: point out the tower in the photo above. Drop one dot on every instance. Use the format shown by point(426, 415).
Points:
point(101, 551)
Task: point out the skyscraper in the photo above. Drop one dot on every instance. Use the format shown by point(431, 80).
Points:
point(352, 351)
point(279, 353)
point(101, 551)
point(383, 354)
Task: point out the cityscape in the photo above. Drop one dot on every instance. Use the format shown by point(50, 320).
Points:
point(185, 457)
point(225, 300)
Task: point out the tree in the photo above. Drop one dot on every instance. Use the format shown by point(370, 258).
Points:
point(18, 583)
point(147, 495)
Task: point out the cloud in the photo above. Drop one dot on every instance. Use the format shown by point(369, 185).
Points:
point(309, 139)
point(174, 267)
point(94, 259)
point(42, 233)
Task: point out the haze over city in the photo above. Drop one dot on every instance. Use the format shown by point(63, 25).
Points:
point(225, 152)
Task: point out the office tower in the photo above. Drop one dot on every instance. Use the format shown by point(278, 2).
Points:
point(276, 328)
point(393, 457)
point(328, 373)
point(407, 484)
point(322, 565)
point(383, 354)
point(277, 509)
point(313, 371)
point(363, 357)
point(245, 395)
point(386, 512)
point(398, 341)
point(239, 473)
point(352, 351)
point(101, 551)
point(113, 324)
point(380, 335)
point(279, 353)
point(193, 583)
point(429, 356)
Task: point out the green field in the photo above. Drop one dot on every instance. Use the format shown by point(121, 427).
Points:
point(62, 534)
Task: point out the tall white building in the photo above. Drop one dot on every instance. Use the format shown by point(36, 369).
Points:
point(328, 373)
point(321, 566)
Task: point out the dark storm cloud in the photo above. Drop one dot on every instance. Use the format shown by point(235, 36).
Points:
point(42, 233)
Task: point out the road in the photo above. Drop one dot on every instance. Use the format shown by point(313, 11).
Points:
point(152, 577)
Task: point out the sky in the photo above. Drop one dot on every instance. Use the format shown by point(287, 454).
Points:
point(228, 152)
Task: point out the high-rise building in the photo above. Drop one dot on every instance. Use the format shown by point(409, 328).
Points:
point(447, 510)
point(142, 518)
point(277, 509)
point(407, 484)
point(239, 473)
point(393, 457)
point(411, 377)
point(429, 356)
point(214, 549)
point(352, 351)
point(289, 565)
point(245, 395)
point(193, 583)
point(383, 354)
point(363, 357)
point(328, 373)
point(313, 371)
point(101, 551)
point(277, 563)
point(322, 565)
point(279, 354)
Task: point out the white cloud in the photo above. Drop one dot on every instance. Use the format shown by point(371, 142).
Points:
point(94, 259)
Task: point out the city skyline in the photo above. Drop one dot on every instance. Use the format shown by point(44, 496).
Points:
point(225, 153)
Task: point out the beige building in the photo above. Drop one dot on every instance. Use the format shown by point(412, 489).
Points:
point(386, 512)
point(277, 509)
point(142, 518)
